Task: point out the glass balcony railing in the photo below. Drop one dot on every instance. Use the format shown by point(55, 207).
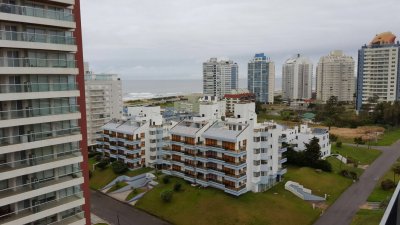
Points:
point(70, 219)
point(30, 137)
point(36, 112)
point(39, 206)
point(36, 12)
point(37, 87)
point(33, 37)
point(36, 62)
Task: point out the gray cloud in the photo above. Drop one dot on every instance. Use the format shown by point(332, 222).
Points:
point(169, 39)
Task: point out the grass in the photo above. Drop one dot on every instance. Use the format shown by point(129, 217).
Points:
point(133, 193)
point(338, 166)
point(117, 186)
point(368, 217)
point(275, 206)
point(378, 194)
point(388, 138)
point(101, 178)
point(361, 155)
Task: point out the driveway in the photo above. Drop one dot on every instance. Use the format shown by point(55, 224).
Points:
point(112, 210)
point(347, 205)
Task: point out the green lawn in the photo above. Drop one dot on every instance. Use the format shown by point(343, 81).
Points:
point(134, 193)
point(338, 166)
point(362, 155)
point(275, 206)
point(388, 138)
point(117, 186)
point(101, 178)
point(367, 217)
point(378, 194)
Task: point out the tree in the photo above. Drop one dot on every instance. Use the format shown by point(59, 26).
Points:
point(359, 141)
point(166, 195)
point(166, 179)
point(103, 163)
point(396, 171)
point(339, 144)
point(119, 167)
point(313, 151)
point(333, 138)
point(177, 187)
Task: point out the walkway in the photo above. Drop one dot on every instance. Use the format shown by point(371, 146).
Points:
point(119, 213)
point(345, 208)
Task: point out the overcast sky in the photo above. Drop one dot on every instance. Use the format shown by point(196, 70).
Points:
point(169, 39)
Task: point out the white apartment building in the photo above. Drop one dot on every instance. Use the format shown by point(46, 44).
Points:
point(43, 155)
point(235, 154)
point(238, 96)
point(298, 136)
point(138, 139)
point(219, 77)
point(297, 78)
point(335, 77)
point(103, 102)
point(378, 74)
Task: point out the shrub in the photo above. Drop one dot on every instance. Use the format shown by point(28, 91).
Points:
point(387, 185)
point(103, 163)
point(339, 144)
point(333, 138)
point(166, 179)
point(177, 187)
point(323, 165)
point(119, 167)
point(90, 174)
point(97, 158)
point(166, 195)
point(94, 154)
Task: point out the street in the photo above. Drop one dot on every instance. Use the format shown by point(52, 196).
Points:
point(119, 213)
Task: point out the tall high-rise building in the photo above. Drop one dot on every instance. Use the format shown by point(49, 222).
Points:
point(297, 78)
point(43, 146)
point(219, 77)
point(261, 78)
point(335, 77)
point(103, 102)
point(378, 74)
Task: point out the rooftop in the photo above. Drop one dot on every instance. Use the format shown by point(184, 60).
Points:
point(225, 131)
point(122, 126)
point(188, 128)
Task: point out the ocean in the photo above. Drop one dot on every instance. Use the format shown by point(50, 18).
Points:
point(145, 89)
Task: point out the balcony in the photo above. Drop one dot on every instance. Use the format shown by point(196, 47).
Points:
point(37, 112)
point(35, 12)
point(43, 209)
point(21, 192)
point(39, 136)
point(36, 62)
point(37, 87)
point(78, 218)
point(282, 150)
point(282, 160)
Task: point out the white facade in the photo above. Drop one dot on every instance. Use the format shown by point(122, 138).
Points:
point(41, 179)
point(378, 74)
point(297, 78)
point(235, 155)
point(335, 77)
point(303, 134)
point(219, 77)
point(141, 135)
point(103, 102)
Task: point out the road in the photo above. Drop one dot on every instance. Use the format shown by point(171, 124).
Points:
point(345, 208)
point(110, 209)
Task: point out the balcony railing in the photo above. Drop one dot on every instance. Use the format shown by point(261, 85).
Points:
point(70, 219)
point(34, 37)
point(36, 184)
point(36, 62)
point(40, 207)
point(30, 137)
point(37, 87)
point(36, 12)
point(36, 112)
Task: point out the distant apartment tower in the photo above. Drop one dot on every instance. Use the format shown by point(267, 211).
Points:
point(335, 77)
point(219, 77)
point(43, 146)
point(103, 102)
point(378, 74)
point(261, 78)
point(235, 154)
point(297, 78)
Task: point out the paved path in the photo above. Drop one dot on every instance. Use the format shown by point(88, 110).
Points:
point(347, 205)
point(110, 209)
